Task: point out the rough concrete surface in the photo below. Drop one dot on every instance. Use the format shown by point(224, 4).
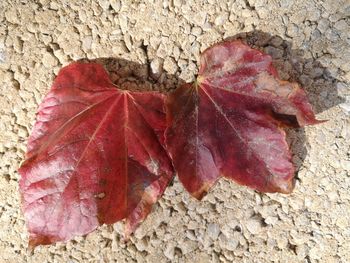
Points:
point(156, 45)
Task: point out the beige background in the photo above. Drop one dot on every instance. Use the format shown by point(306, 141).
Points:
point(157, 44)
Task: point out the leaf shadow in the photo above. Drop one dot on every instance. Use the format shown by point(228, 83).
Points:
point(291, 65)
point(137, 77)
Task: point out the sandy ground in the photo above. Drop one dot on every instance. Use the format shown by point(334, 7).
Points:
point(156, 45)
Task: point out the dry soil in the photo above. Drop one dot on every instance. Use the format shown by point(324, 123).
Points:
point(157, 44)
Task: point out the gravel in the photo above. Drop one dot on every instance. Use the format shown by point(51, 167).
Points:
point(156, 45)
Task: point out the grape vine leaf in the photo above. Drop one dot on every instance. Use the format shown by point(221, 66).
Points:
point(230, 122)
point(95, 156)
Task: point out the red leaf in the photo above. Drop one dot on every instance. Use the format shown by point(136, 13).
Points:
point(95, 156)
point(229, 122)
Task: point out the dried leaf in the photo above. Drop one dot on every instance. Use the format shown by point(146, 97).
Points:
point(230, 122)
point(95, 156)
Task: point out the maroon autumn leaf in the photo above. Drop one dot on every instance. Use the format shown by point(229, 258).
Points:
point(229, 122)
point(95, 156)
